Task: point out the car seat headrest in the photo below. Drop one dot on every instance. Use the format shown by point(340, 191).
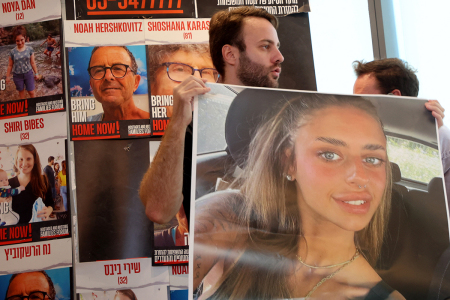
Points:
point(396, 173)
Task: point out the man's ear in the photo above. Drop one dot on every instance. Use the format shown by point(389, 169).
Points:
point(230, 54)
point(396, 92)
point(137, 79)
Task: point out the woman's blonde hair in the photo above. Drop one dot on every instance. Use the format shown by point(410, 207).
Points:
point(269, 207)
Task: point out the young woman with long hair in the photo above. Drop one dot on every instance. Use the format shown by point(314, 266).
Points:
point(36, 185)
point(308, 215)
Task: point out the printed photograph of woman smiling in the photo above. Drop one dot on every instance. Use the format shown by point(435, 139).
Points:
point(312, 211)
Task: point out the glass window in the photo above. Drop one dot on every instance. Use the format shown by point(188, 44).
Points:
point(340, 34)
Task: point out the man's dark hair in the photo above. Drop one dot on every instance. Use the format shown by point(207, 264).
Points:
point(391, 74)
point(50, 158)
point(226, 28)
point(51, 289)
point(134, 66)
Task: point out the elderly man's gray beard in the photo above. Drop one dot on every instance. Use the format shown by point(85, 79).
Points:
point(251, 73)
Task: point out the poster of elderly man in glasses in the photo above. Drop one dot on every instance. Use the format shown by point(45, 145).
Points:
point(108, 85)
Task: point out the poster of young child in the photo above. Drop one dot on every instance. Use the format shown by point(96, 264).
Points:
point(30, 58)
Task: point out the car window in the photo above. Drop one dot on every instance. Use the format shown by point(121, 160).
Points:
point(416, 161)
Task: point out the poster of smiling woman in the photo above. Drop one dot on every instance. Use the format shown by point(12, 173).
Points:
point(322, 196)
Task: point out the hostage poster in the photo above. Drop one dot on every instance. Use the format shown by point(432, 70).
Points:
point(35, 208)
point(339, 194)
point(114, 251)
point(112, 102)
point(30, 63)
point(174, 45)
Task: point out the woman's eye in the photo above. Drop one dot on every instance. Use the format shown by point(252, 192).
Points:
point(330, 156)
point(373, 160)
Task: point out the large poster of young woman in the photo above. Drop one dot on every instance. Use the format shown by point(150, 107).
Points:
point(322, 195)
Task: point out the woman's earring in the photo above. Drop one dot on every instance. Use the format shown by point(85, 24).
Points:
point(289, 177)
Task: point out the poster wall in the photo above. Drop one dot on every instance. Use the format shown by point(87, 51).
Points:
point(35, 227)
point(273, 138)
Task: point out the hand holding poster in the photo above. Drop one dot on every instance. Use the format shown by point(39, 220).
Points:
point(316, 198)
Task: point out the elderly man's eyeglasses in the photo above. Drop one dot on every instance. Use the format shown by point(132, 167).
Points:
point(117, 70)
point(37, 295)
point(179, 72)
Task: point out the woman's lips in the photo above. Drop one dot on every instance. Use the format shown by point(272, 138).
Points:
point(354, 203)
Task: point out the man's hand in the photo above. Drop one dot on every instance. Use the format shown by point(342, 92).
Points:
point(182, 99)
point(436, 110)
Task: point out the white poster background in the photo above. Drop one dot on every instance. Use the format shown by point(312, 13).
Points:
point(104, 33)
point(35, 256)
point(157, 292)
point(119, 274)
point(176, 31)
point(22, 12)
point(179, 277)
point(54, 126)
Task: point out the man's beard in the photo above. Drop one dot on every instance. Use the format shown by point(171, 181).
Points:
point(251, 73)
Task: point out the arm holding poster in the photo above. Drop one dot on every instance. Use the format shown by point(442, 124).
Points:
point(161, 187)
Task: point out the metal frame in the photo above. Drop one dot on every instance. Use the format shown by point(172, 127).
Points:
point(377, 29)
